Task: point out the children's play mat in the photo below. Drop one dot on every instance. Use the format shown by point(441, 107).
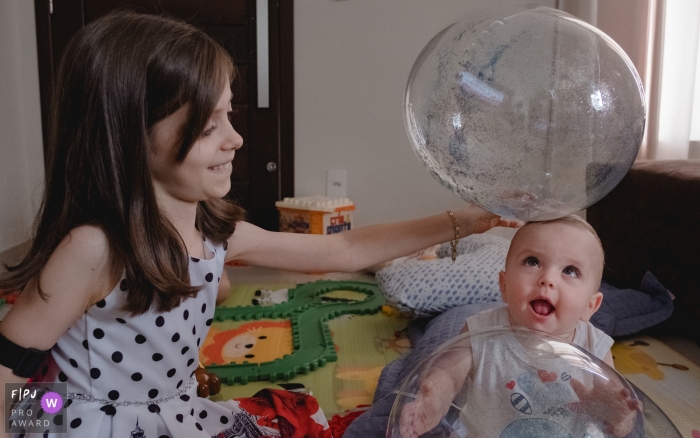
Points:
point(335, 337)
point(332, 337)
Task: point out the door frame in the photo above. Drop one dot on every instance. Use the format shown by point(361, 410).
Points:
point(70, 17)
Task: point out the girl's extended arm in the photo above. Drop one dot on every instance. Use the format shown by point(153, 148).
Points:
point(76, 275)
point(355, 249)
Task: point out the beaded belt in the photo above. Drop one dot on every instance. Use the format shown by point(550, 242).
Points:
point(154, 401)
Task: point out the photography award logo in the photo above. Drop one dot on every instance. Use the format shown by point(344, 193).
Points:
point(35, 408)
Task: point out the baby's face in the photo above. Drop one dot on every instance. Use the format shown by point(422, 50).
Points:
point(552, 276)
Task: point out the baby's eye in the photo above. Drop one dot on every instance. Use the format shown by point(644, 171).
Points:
point(572, 271)
point(531, 261)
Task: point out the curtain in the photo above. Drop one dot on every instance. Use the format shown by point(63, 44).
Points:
point(679, 103)
point(661, 39)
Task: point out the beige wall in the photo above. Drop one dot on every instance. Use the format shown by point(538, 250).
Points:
point(21, 151)
point(352, 60)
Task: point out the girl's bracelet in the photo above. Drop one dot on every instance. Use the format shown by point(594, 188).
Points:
point(455, 224)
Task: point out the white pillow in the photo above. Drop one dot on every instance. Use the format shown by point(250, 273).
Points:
point(427, 287)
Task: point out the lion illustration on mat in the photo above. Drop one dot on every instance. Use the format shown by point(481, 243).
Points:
point(253, 342)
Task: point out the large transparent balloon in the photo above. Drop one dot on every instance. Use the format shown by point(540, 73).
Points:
point(514, 382)
point(530, 113)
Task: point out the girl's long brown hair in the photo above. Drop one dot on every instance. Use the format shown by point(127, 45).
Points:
point(120, 75)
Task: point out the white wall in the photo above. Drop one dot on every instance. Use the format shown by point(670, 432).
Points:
point(352, 60)
point(21, 151)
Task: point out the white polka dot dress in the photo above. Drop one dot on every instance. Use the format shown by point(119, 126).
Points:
point(131, 375)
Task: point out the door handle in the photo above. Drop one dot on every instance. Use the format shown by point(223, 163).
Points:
point(263, 52)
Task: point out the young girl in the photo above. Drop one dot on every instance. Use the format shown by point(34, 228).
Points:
point(121, 279)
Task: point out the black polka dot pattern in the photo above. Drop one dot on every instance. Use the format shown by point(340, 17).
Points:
point(117, 348)
point(109, 410)
point(58, 420)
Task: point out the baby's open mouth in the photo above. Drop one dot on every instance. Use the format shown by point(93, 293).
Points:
point(542, 307)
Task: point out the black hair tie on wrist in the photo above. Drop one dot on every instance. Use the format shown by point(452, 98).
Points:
point(22, 361)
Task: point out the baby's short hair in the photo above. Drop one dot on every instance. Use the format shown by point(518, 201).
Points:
point(571, 219)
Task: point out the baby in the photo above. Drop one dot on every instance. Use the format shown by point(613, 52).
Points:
point(551, 283)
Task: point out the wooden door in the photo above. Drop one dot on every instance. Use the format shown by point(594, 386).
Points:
point(264, 166)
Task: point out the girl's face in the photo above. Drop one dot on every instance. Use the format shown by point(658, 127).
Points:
point(205, 173)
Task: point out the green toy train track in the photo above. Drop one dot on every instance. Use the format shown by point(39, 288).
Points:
point(311, 337)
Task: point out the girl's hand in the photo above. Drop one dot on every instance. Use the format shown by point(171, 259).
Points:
point(474, 220)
